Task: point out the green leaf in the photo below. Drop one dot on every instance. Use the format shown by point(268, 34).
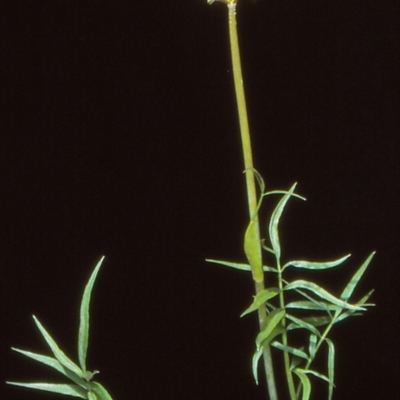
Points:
point(363, 300)
point(61, 388)
point(318, 321)
point(83, 335)
point(260, 299)
point(260, 182)
point(331, 366)
point(284, 192)
point(240, 266)
point(322, 305)
point(305, 383)
point(274, 222)
point(271, 323)
point(53, 363)
point(351, 313)
point(348, 291)
point(290, 349)
point(58, 354)
point(100, 391)
point(320, 292)
point(253, 251)
point(295, 361)
point(317, 374)
point(312, 345)
point(279, 329)
point(298, 323)
point(311, 305)
point(252, 243)
point(92, 396)
point(315, 265)
point(256, 357)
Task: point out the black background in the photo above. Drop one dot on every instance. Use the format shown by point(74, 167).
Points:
point(119, 137)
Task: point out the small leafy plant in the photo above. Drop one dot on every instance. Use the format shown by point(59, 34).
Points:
point(83, 386)
point(277, 317)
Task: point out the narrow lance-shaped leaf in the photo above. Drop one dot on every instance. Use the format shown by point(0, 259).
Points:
point(283, 192)
point(324, 306)
point(61, 388)
point(279, 329)
point(271, 323)
point(53, 363)
point(290, 349)
point(298, 323)
point(320, 292)
point(295, 362)
point(92, 396)
point(252, 243)
point(331, 367)
point(100, 391)
point(305, 383)
point(83, 335)
point(341, 315)
point(58, 353)
point(317, 374)
point(318, 321)
point(309, 305)
point(240, 266)
point(46, 360)
point(312, 345)
point(261, 185)
point(274, 222)
point(316, 265)
point(252, 249)
point(261, 297)
point(349, 289)
point(256, 357)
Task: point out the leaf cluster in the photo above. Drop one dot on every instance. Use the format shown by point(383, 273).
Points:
point(315, 311)
point(82, 385)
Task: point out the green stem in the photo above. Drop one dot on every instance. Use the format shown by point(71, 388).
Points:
point(318, 345)
point(286, 358)
point(250, 179)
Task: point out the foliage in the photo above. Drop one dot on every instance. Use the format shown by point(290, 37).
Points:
point(82, 386)
point(325, 309)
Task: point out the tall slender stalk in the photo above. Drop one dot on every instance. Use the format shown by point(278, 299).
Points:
point(250, 181)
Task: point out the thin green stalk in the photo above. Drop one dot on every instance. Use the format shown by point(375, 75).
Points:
point(318, 345)
point(250, 181)
point(286, 358)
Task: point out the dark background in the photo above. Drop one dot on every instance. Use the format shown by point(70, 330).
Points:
point(119, 137)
